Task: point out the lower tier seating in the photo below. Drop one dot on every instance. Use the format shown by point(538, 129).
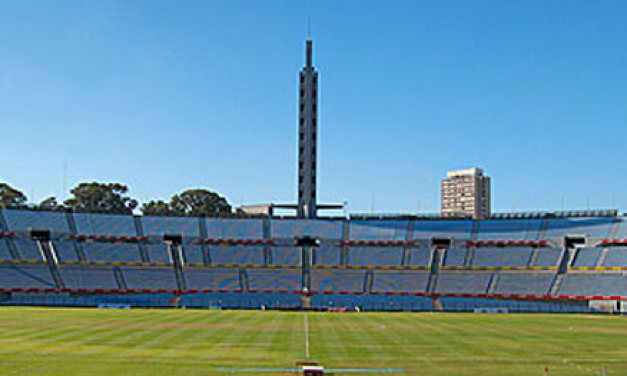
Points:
point(589, 284)
point(149, 277)
point(338, 280)
point(463, 282)
point(198, 278)
point(88, 277)
point(274, 279)
point(524, 283)
point(400, 281)
point(25, 276)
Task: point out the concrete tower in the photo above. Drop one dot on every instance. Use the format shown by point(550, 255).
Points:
point(307, 137)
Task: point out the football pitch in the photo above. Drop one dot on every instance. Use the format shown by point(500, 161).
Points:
point(54, 341)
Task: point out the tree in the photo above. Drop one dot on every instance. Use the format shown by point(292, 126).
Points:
point(158, 207)
point(200, 202)
point(50, 203)
point(11, 197)
point(101, 197)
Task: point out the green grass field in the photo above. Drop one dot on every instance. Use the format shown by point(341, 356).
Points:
point(41, 341)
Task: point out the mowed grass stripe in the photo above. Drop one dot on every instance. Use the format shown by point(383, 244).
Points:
point(62, 342)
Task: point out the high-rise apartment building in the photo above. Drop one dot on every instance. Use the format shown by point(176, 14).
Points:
point(466, 193)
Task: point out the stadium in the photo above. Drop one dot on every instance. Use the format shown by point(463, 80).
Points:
point(530, 293)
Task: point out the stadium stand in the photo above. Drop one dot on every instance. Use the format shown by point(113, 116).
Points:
point(463, 282)
point(616, 256)
point(455, 257)
point(587, 256)
point(378, 264)
point(215, 279)
point(510, 229)
point(274, 279)
point(89, 277)
point(286, 256)
point(400, 281)
point(384, 256)
point(524, 283)
point(338, 280)
point(511, 256)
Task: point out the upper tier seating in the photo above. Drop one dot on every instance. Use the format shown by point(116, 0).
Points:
point(594, 284)
point(385, 256)
point(616, 256)
point(65, 250)
point(286, 256)
point(5, 252)
point(456, 229)
point(28, 250)
point(107, 225)
point(455, 257)
point(621, 230)
point(237, 255)
point(159, 226)
point(548, 256)
point(25, 276)
point(519, 283)
point(327, 256)
point(587, 257)
point(275, 279)
point(158, 253)
point(378, 230)
point(338, 280)
point(193, 254)
point(400, 281)
point(420, 257)
point(514, 256)
point(463, 282)
point(510, 229)
point(591, 227)
point(234, 228)
point(24, 220)
point(289, 228)
point(112, 252)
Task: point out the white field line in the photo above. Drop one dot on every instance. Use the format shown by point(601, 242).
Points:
point(306, 325)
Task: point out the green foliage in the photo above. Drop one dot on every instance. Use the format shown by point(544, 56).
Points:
point(192, 202)
point(50, 203)
point(158, 207)
point(11, 197)
point(108, 198)
point(200, 202)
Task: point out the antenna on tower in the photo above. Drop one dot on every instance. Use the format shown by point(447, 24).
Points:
point(309, 27)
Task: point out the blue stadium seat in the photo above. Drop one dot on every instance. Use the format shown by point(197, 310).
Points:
point(338, 280)
point(524, 283)
point(88, 277)
point(511, 256)
point(587, 256)
point(237, 255)
point(25, 276)
point(382, 256)
point(112, 252)
point(159, 226)
point(275, 279)
point(105, 224)
point(24, 220)
point(212, 278)
point(400, 281)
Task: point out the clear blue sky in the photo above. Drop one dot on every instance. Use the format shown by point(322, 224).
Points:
point(169, 95)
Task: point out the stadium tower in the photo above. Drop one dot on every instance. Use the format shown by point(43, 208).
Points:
point(307, 136)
